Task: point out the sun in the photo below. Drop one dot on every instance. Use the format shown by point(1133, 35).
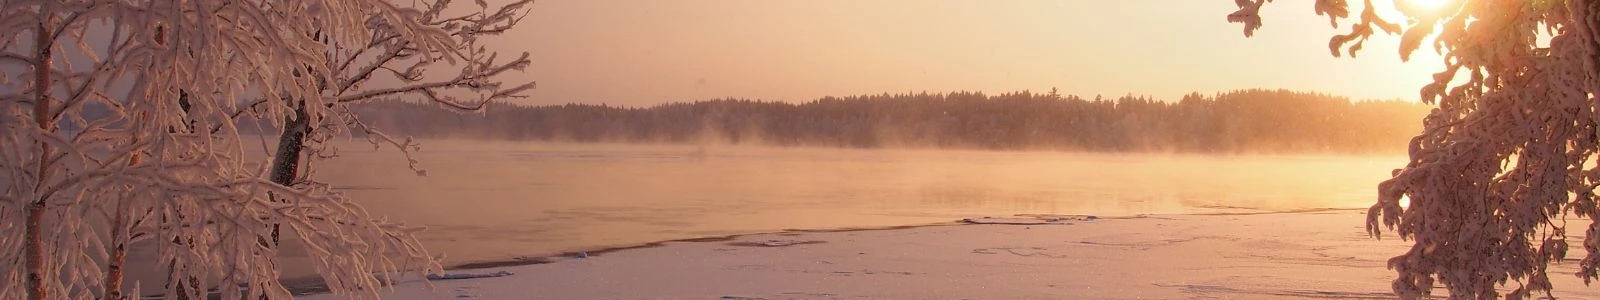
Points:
point(1424, 5)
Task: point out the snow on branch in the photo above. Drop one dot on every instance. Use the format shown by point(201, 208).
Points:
point(124, 130)
point(1503, 160)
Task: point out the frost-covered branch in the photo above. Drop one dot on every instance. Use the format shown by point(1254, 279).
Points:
point(1505, 154)
point(130, 136)
point(398, 54)
point(409, 62)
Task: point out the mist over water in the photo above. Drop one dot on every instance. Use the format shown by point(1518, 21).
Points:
point(485, 201)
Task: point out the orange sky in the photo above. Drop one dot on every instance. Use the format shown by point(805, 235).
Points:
point(641, 52)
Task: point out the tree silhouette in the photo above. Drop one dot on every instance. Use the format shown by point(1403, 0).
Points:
point(1247, 121)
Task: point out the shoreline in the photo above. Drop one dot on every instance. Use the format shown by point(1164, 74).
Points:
point(306, 286)
point(552, 258)
point(1328, 249)
point(598, 251)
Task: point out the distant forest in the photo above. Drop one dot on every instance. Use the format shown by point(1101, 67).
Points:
point(1246, 121)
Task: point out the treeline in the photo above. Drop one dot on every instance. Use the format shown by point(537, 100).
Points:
point(1246, 121)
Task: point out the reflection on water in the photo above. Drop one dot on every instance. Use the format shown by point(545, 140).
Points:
point(490, 201)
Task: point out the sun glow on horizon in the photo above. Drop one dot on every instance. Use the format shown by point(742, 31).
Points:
point(648, 52)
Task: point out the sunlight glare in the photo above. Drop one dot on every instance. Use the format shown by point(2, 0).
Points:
point(1426, 5)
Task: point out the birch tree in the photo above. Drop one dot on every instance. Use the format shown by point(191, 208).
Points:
point(121, 122)
point(1505, 158)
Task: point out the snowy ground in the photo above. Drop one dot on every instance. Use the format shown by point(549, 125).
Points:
point(1261, 256)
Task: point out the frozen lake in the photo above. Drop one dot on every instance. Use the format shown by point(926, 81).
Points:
point(486, 201)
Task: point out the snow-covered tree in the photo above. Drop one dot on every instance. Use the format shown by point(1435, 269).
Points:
point(121, 122)
point(1507, 154)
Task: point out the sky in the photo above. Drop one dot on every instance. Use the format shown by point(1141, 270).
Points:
point(640, 53)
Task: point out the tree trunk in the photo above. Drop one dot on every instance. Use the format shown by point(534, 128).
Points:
point(33, 252)
point(119, 254)
point(180, 290)
point(286, 162)
point(33, 245)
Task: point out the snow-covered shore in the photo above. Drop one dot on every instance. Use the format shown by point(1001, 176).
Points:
point(1314, 254)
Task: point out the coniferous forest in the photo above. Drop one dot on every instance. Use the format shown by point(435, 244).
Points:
point(1245, 121)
